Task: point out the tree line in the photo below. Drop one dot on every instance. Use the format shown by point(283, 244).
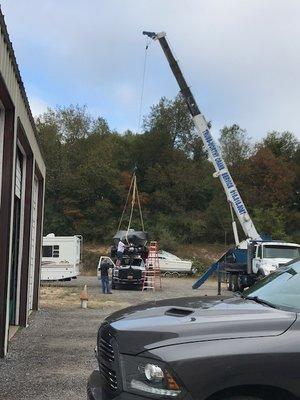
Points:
point(89, 168)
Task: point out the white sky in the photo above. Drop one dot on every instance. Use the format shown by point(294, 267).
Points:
point(241, 57)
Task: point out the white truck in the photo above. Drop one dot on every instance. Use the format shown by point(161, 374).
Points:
point(268, 255)
point(61, 257)
point(271, 255)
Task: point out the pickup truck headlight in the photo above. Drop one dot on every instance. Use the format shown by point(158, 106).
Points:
point(146, 376)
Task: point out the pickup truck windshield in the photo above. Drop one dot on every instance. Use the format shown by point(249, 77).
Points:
point(135, 262)
point(281, 288)
point(290, 252)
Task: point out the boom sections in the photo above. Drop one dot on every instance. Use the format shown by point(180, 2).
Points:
point(211, 147)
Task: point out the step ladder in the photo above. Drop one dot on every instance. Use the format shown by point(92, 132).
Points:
point(152, 276)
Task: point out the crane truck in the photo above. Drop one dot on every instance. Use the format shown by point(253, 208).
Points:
point(253, 257)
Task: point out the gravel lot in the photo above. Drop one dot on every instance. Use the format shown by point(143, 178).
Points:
point(52, 358)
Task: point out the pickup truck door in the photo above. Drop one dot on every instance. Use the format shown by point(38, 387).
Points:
point(104, 259)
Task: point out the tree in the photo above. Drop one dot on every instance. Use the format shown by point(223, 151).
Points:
point(235, 145)
point(271, 221)
point(172, 119)
point(267, 180)
point(283, 145)
point(89, 167)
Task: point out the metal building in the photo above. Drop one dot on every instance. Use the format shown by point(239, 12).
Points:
point(22, 179)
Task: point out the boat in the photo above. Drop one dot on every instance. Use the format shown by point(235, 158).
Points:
point(170, 264)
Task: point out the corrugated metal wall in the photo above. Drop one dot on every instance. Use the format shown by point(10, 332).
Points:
point(9, 72)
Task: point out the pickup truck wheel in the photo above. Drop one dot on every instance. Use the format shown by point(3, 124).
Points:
point(89, 394)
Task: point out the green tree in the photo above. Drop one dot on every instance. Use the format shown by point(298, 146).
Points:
point(172, 119)
point(282, 144)
point(235, 145)
point(89, 167)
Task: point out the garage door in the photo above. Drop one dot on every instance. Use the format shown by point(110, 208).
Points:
point(31, 270)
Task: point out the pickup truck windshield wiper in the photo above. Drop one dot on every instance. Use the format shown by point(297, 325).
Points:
point(260, 301)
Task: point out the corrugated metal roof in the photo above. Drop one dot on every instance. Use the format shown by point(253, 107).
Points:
point(5, 34)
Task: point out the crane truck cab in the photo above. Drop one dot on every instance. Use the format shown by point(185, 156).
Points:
point(268, 256)
point(244, 267)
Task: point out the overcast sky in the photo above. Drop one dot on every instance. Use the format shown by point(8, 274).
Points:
point(241, 57)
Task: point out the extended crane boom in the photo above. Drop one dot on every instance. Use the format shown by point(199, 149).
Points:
point(215, 156)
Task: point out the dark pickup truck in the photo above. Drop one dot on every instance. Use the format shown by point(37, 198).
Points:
point(243, 348)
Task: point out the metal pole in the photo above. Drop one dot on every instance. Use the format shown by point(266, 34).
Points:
point(219, 280)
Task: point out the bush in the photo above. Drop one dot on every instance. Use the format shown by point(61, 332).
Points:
point(90, 261)
point(200, 265)
point(166, 240)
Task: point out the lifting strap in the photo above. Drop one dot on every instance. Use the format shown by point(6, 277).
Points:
point(133, 190)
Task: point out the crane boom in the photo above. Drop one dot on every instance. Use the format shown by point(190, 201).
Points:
point(211, 147)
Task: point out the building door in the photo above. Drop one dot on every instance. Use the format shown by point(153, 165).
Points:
point(16, 239)
point(35, 191)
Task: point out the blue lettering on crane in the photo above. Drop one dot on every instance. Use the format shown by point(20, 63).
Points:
point(214, 150)
point(238, 202)
point(228, 180)
point(226, 176)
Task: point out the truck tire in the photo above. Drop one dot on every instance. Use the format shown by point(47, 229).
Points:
point(235, 283)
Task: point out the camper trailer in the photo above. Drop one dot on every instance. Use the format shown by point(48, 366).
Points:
point(61, 257)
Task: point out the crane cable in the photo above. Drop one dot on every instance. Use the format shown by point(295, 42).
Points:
point(140, 209)
point(148, 43)
point(126, 203)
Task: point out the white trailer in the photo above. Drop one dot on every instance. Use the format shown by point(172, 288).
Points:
point(61, 258)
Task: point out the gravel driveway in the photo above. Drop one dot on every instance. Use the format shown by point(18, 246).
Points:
point(52, 358)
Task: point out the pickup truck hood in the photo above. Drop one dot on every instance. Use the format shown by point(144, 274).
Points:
point(177, 321)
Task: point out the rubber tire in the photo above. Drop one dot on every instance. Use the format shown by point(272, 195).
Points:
point(234, 280)
point(239, 284)
point(89, 395)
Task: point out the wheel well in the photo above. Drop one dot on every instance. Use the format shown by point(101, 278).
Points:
point(265, 392)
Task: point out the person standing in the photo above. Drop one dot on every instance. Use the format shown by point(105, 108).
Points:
point(104, 270)
point(120, 252)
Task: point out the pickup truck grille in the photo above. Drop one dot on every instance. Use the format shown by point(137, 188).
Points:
point(109, 376)
point(106, 358)
point(135, 273)
point(105, 349)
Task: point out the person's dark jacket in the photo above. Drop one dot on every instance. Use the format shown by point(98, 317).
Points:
point(104, 269)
